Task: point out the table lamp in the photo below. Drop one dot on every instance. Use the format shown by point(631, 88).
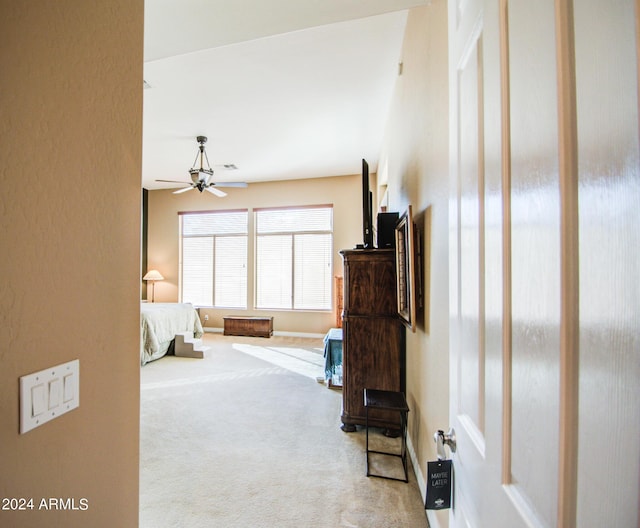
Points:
point(153, 276)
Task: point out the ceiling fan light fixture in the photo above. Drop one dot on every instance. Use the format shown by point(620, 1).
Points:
point(201, 176)
point(202, 154)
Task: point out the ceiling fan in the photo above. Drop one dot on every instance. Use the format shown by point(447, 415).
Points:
point(200, 177)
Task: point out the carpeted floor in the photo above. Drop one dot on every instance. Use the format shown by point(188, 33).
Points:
point(247, 438)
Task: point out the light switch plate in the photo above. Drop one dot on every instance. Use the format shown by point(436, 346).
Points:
point(58, 386)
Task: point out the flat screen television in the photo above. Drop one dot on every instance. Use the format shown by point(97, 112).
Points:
point(367, 208)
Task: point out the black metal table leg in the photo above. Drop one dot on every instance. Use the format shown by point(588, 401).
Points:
point(390, 401)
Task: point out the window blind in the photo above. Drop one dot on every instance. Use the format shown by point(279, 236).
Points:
point(214, 258)
point(293, 258)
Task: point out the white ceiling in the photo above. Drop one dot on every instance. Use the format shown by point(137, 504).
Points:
point(283, 89)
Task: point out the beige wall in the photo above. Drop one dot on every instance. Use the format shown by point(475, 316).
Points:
point(70, 159)
point(415, 158)
point(163, 243)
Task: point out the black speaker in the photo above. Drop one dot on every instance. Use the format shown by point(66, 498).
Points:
point(387, 230)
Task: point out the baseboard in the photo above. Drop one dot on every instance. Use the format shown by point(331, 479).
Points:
point(299, 334)
point(416, 467)
point(432, 519)
point(422, 485)
point(216, 330)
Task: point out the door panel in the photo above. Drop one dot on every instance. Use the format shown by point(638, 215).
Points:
point(471, 361)
point(535, 256)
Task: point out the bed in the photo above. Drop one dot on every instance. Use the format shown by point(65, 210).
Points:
point(159, 324)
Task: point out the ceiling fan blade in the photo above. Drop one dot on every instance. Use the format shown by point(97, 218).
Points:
point(183, 190)
point(215, 191)
point(173, 181)
point(231, 184)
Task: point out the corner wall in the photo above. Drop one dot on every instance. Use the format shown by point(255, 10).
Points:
point(70, 161)
point(415, 158)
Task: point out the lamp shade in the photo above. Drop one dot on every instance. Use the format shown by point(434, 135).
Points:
point(153, 275)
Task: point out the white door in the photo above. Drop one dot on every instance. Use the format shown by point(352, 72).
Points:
point(545, 238)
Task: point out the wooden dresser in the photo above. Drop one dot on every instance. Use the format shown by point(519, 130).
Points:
point(373, 335)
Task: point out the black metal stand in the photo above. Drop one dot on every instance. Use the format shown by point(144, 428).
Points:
point(388, 401)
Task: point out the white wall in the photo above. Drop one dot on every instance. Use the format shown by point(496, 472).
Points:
point(415, 156)
point(344, 193)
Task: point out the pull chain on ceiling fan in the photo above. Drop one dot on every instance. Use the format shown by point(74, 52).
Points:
point(200, 176)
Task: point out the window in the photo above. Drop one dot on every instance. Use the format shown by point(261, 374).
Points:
point(214, 258)
point(293, 258)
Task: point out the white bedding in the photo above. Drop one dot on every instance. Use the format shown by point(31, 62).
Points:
point(159, 324)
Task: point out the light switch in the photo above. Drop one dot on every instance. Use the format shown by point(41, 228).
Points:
point(37, 400)
point(54, 393)
point(47, 394)
point(68, 388)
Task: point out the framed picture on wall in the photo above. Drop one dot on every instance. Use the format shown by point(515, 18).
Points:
point(406, 269)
